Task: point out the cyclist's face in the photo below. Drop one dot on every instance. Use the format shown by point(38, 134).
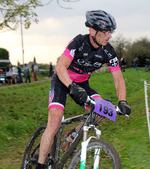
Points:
point(103, 37)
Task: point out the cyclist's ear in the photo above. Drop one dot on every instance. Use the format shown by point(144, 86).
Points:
point(92, 31)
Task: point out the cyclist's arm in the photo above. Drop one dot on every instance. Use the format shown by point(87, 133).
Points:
point(61, 70)
point(119, 84)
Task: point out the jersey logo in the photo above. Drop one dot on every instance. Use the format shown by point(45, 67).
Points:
point(108, 53)
point(98, 56)
point(114, 62)
point(81, 48)
point(97, 64)
point(85, 54)
point(72, 52)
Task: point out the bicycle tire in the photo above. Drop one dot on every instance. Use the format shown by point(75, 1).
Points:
point(32, 150)
point(109, 157)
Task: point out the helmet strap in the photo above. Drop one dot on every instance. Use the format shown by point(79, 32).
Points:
point(94, 39)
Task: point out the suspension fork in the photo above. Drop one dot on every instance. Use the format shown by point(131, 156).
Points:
point(85, 144)
point(97, 151)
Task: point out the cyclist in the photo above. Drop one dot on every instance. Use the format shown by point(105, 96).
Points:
point(83, 55)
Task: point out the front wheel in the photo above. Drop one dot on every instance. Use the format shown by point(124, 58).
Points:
point(108, 156)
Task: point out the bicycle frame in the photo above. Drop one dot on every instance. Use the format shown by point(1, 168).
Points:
point(84, 144)
point(60, 162)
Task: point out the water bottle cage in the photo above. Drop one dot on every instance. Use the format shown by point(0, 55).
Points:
point(70, 134)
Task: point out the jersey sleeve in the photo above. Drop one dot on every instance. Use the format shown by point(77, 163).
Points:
point(70, 50)
point(113, 62)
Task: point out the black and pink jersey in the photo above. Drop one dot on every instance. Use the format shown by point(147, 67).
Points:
point(86, 59)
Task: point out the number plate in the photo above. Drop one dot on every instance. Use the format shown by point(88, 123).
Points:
point(105, 108)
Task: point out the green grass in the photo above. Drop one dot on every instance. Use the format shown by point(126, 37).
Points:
point(24, 107)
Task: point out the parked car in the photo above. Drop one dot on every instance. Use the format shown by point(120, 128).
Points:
point(2, 76)
point(3, 65)
point(15, 75)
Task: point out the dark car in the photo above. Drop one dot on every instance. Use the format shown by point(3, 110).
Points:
point(2, 76)
point(15, 75)
point(3, 65)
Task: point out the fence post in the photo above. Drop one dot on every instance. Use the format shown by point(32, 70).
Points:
point(146, 104)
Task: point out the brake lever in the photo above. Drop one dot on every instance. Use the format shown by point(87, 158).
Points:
point(90, 101)
point(119, 111)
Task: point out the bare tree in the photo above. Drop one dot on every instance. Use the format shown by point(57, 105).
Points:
point(12, 10)
point(62, 6)
point(121, 45)
point(139, 49)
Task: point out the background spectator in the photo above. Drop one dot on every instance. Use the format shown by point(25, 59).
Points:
point(9, 74)
point(27, 71)
point(147, 64)
point(135, 65)
point(19, 73)
point(50, 70)
point(123, 63)
point(35, 69)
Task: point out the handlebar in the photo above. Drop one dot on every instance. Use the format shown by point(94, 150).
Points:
point(90, 101)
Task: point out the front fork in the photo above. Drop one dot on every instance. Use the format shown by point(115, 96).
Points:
point(85, 144)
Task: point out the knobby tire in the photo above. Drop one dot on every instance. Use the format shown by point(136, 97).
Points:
point(31, 157)
point(109, 157)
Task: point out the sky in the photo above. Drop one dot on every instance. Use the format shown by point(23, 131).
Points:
point(47, 40)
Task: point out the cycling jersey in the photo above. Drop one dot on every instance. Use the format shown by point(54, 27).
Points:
point(86, 59)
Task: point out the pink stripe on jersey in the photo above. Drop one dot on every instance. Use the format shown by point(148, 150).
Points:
point(67, 53)
point(78, 77)
point(112, 69)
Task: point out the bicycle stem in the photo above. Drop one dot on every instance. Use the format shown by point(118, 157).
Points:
point(86, 129)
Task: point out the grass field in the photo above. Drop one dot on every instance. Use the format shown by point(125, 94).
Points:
point(24, 107)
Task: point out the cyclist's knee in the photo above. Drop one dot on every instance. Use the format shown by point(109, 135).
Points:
point(55, 113)
point(54, 120)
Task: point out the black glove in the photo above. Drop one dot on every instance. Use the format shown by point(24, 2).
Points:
point(78, 94)
point(124, 107)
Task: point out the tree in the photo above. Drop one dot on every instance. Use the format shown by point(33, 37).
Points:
point(121, 45)
point(4, 54)
point(12, 10)
point(141, 50)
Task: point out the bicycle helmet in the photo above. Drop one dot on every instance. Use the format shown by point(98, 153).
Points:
point(100, 20)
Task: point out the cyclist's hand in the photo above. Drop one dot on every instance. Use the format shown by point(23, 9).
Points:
point(124, 107)
point(78, 94)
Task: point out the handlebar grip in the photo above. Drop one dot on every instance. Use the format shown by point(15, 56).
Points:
point(90, 101)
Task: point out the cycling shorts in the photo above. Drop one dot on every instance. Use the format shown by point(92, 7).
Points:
point(58, 93)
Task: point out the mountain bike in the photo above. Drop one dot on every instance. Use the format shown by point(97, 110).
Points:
point(92, 152)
